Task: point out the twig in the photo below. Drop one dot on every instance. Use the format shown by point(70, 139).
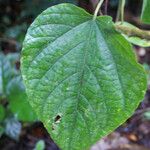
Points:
point(106, 7)
point(120, 11)
point(144, 34)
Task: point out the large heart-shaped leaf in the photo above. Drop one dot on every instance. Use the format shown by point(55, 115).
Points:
point(82, 77)
point(145, 16)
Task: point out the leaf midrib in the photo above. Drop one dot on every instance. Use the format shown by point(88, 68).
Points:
point(81, 80)
point(82, 77)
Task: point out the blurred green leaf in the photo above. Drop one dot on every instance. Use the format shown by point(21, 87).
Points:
point(5, 73)
point(40, 145)
point(18, 103)
point(13, 58)
point(1, 130)
point(147, 115)
point(147, 69)
point(145, 16)
point(12, 128)
point(11, 86)
point(16, 32)
point(2, 113)
point(7, 70)
point(137, 41)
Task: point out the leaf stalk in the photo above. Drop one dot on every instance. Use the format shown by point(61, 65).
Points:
point(97, 9)
point(120, 11)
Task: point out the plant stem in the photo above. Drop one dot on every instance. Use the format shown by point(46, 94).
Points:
point(120, 11)
point(97, 9)
point(106, 6)
point(129, 31)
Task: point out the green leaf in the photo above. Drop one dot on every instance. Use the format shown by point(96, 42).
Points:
point(5, 73)
point(147, 115)
point(1, 130)
point(82, 77)
point(7, 70)
point(147, 70)
point(18, 102)
point(146, 11)
point(13, 58)
point(137, 41)
point(11, 86)
point(40, 145)
point(2, 113)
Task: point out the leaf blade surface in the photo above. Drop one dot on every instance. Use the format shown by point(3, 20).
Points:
point(83, 75)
